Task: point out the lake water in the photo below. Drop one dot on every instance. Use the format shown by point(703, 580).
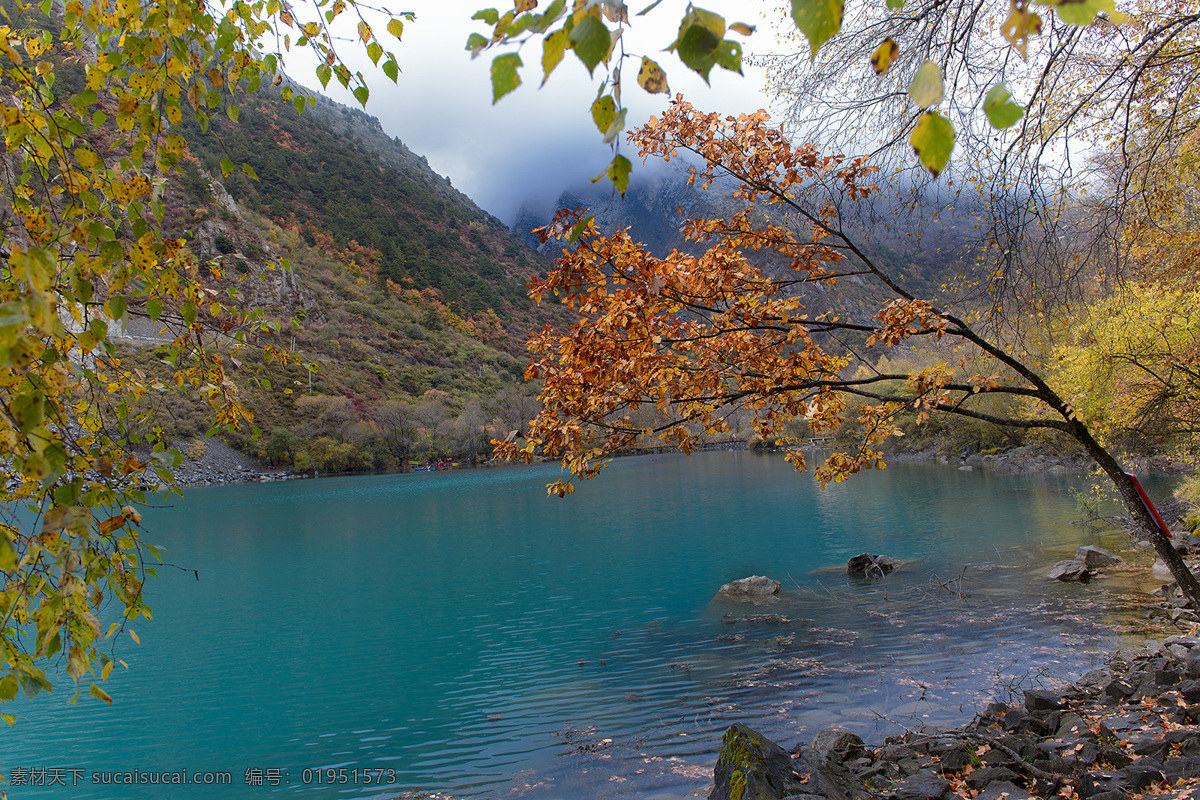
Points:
point(462, 633)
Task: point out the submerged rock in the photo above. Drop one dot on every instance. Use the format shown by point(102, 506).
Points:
point(754, 586)
point(870, 565)
point(1071, 571)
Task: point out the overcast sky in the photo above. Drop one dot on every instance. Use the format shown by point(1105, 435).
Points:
point(534, 142)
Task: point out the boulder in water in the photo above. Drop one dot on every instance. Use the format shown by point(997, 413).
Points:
point(870, 565)
point(1096, 557)
point(754, 586)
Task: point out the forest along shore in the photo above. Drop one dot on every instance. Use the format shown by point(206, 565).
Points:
point(212, 462)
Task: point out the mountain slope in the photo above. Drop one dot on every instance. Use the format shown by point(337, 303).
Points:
point(409, 299)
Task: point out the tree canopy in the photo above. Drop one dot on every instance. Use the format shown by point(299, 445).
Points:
point(699, 336)
point(91, 93)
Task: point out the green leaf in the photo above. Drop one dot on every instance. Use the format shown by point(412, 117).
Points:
point(1001, 111)
point(553, 47)
point(30, 686)
point(553, 12)
point(618, 173)
point(361, 93)
point(577, 231)
point(8, 562)
point(818, 20)
point(729, 56)
point(117, 308)
point(1083, 12)
point(895, 5)
point(9, 718)
point(476, 42)
point(504, 75)
point(374, 52)
point(392, 70)
point(604, 111)
point(933, 141)
point(39, 263)
point(697, 48)
point(8, 688)
point(591, 41)
point(490, 16)
point(28, 410)
point(227, 167)
point(927, 88)
point(615, 127)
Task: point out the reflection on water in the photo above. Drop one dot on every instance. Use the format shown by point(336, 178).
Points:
point(465, 634)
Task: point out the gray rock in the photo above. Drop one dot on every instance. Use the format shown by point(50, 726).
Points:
point(1191, 690)
point(1096, 557)
point(841, 745)
point(1140, 777)
point(923, 786)
point(1071, 572)
point(981, 778)
point(754, 586)
point(1042, 700)
point(1073, 726)
point(1004, 790)
point(1185, 641)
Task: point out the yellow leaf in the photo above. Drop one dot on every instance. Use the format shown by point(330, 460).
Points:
point(884, 55)
point(1020, 25)
point(652, 78)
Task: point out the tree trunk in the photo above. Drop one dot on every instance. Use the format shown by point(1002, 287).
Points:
point(1141, 515)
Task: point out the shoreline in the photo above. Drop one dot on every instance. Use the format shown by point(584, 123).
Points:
point(1130, 729)
point(221, 464)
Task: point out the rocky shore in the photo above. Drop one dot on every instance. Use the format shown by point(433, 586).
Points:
point(1131, 730)
point(211, 462)
point(1034, 458)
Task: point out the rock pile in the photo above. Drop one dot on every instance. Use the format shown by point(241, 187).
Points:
point(1130, 730)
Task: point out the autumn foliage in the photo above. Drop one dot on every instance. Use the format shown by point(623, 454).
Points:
point(696, 336)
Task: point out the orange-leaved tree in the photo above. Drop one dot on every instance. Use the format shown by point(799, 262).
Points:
point(698, 336)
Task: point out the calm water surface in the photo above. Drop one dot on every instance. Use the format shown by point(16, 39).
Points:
point(467, 635)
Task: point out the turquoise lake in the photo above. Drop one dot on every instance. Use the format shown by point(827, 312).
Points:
point(461, 633)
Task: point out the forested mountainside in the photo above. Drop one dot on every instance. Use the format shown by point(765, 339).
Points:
point(408, 298)
point(924, 254)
